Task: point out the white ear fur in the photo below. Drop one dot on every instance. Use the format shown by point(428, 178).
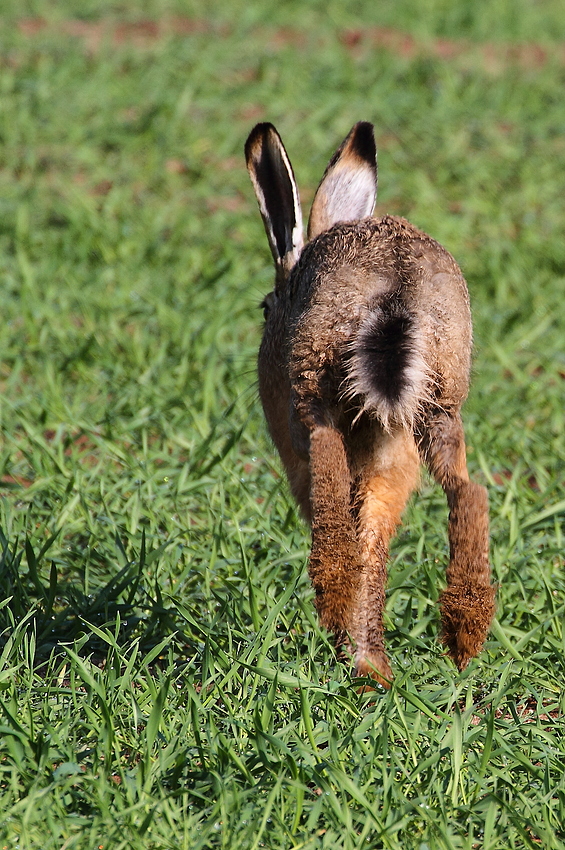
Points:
point(348, 189)
point(275, 187)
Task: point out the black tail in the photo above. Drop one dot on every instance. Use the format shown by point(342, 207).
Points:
point(387, 368)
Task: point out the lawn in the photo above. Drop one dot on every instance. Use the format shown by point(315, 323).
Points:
point(164, 682)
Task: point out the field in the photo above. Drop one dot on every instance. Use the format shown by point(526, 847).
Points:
point(164, 683)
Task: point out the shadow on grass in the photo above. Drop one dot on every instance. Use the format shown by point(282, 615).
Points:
point(60, 612)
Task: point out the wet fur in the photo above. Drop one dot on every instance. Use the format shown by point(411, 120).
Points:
point(363, 368)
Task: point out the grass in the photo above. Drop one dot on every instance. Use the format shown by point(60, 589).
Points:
point(164, 683)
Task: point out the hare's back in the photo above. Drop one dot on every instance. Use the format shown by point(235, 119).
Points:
point(352, 271)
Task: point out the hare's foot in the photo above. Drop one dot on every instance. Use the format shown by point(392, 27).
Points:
point(374, 664)
point(466, 614)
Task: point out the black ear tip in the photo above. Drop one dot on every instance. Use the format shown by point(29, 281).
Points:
point(259, 133)
point(363, 141)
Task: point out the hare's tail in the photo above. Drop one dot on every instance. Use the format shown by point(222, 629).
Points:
point(388, 373)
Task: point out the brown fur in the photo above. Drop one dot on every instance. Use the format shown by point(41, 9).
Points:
point(335, 557)
point(366, 295)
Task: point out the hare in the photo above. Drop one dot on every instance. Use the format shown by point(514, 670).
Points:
point(363, 367)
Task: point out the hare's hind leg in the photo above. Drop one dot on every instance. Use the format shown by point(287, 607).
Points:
point(334, 560)
point(467, 604)
point(383, 490)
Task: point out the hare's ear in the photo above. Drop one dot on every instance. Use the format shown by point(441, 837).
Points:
point(348, 190)
point(273, 180)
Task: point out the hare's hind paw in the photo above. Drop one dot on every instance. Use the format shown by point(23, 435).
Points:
point(376, 666)
point(466, 615)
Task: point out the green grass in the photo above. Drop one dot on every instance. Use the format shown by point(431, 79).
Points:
point(164, 683)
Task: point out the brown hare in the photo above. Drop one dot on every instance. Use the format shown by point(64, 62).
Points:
point(363, 368)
